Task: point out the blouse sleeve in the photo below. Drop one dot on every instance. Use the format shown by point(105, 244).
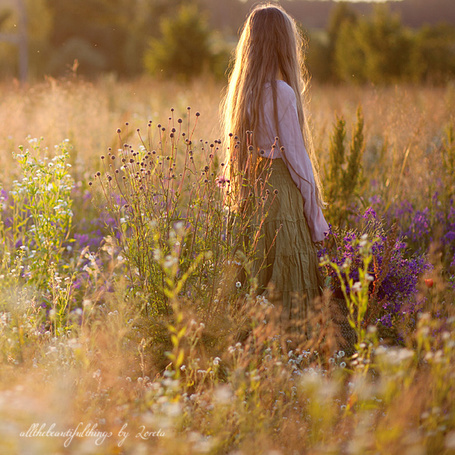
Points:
point(299, 165)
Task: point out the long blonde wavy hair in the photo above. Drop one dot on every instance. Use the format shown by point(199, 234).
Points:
point(269, 45)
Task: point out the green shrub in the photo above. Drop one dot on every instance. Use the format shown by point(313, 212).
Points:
point(343, 173)
point(39, 206)
point(35, 224)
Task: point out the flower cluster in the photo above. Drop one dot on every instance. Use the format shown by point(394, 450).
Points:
point(435, 223)
point(393, 288)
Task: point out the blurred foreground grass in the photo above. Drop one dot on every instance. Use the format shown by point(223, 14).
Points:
point(110, 381)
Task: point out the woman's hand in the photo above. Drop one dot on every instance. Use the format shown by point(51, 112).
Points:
point(320, 245)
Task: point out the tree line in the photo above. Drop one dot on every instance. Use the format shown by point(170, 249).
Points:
point(177, 38)
point(378, 48)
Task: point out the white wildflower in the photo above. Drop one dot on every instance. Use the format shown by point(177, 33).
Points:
point(357, 286)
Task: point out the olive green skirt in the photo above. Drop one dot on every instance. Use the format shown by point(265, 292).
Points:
point(286, 259)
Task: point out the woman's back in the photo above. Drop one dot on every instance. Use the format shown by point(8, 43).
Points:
point(286, 126)
point(267, 130)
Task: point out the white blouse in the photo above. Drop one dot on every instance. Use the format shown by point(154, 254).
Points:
point(297, 159)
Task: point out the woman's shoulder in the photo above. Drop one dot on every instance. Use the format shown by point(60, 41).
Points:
point(285, 93)
point(284, 88)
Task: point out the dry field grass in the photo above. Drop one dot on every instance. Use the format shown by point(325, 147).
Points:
point(89, 113)
point(104, 376)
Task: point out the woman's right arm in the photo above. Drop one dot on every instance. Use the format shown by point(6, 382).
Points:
point(299, 164)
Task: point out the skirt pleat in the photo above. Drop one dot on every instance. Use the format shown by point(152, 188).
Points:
point(286, 257)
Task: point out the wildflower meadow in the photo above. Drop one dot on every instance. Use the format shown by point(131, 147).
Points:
point(130, 319)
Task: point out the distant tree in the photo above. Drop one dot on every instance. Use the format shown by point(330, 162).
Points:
point(321, 52)
point(375, 49)
point(386, 45)
point(433, 54)
point(39, 24)
point(183, 47)
point(103, 35)
point(349, 57)
point(38, 30)
point(341, 15)
point(318, 60)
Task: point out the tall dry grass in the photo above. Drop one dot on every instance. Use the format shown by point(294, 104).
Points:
point(231, 393)
point(88, 113)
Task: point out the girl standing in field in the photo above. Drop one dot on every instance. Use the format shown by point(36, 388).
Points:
point(267, 129)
